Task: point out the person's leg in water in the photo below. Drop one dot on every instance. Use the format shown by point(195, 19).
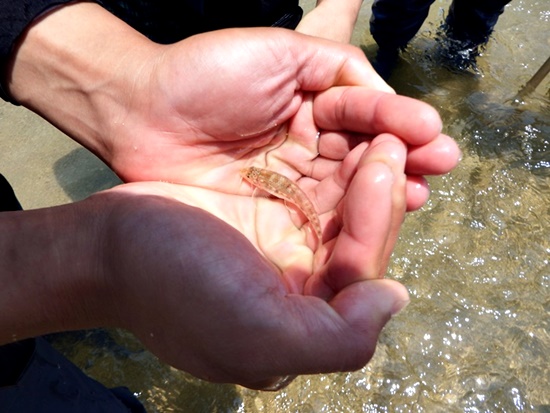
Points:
point(393, 24)
point(467, 29)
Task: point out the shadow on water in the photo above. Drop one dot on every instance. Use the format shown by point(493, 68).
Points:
point(81, 174)
point(108, 354)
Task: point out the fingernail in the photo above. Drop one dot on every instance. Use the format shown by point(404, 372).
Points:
point(399, 306)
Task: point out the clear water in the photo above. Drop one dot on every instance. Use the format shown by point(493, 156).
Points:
point(476, 336)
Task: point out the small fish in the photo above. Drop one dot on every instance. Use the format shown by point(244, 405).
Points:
point(282, 187)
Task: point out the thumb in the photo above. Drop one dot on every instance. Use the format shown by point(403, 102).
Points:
point(368, 305)
point(324, 63)
point(345, 338)
point(316, 339)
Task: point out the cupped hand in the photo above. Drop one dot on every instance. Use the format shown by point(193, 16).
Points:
point(243, 298)
point(204, 108)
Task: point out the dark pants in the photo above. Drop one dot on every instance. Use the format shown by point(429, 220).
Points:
point(395, 22)
point(8, 200)
point(468, 25)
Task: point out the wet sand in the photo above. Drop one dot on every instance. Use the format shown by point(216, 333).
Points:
point(44, 166)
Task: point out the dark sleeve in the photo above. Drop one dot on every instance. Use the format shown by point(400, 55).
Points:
point(163, 21)
point(15, 16)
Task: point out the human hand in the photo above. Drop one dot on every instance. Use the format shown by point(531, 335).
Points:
point(198, 111)
point(253, 306)
point(271, 98)
point(258, 112)
point(239, 299)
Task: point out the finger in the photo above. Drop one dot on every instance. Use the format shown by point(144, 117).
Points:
point(435, 158)
point(364, 110)
point(373, 210)
point(325, 63)
point(336, 145)
point(390, 150)
point(368, 305)
point(417, 191)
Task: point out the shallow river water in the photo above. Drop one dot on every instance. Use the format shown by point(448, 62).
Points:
point(476, 336)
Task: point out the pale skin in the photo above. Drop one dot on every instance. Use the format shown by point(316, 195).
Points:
point(142, 257)
point(331, 19)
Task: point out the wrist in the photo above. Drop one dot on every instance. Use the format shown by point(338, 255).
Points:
point(343, 12)
point(50, 276)
point(74, 66)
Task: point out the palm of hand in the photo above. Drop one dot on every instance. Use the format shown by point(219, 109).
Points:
point(226, 277)
point(279, 231)
point(265, 118)
point(271, 126)
point(210, 179)
point(198, 123)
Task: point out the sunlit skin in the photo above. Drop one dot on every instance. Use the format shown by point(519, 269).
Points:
point(212, 280)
